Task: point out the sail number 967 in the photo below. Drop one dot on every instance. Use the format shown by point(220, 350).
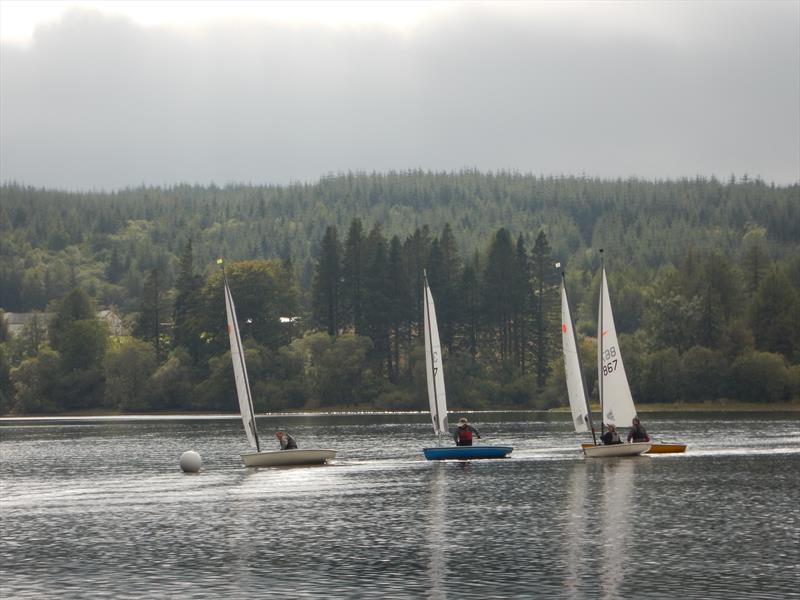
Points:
point(610, 360)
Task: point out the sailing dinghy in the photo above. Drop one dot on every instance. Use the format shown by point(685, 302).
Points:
point(615, 393)
point(437, 397)
point(578, 393)
point(257, 457)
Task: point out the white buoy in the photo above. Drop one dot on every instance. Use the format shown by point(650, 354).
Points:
point(191, 461)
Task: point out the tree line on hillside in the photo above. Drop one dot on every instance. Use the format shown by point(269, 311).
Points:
point(711, 326)
point(108, 243)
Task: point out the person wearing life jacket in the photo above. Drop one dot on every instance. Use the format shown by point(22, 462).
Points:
point(464, 433)
point(637, 432)
point(611, 436)
point(287, 441)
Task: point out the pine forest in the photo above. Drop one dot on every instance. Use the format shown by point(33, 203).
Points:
point(112, 301)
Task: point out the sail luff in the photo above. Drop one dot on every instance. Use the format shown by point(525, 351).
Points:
point(240, 371)
point(433, 365)
point(576, 383)
point(600, 334)
point(617, 405)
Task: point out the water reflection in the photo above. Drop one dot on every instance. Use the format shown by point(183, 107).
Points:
point(575, 538)
point(598, 491)
point(617, 479)
point(436, 533)
point(109, 508)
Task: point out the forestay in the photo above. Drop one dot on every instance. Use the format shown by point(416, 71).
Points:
point(433, 365)
point(615, 394)
point(240, 371)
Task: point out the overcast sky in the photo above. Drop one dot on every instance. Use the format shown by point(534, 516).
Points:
point(103, 98)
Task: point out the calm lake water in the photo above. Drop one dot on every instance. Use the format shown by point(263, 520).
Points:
point(98, 508)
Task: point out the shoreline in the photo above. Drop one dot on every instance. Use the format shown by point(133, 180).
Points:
point(694, 407)
point(710, 406)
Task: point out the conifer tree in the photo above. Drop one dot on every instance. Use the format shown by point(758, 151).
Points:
point(497, 295)
point(416, 251)
point(444, 273)
point(115, 269)
point(376, 297)
point(326, 284)
point(470, 303)
point(755, 259)
point(152, 310)
point(185, 330)
point(521, 289)
point(399, 302)
point(545, 307)
point(352, 276)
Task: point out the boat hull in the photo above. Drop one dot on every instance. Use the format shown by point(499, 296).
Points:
point(467, 452)
point(656, 448)
point(282, 458)
point(616, 450)
point(661, 448)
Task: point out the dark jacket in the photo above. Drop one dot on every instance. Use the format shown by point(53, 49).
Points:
point(638, 434)
point(610, 437)
point(287, 442)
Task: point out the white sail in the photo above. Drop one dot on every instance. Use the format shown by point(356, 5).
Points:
point(615, 393)
point(433, 365)
point(572, 368)
point(240, 371)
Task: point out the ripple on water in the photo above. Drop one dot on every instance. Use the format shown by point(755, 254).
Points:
point(113, 515)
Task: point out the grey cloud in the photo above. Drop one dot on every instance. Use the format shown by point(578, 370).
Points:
point(97, 102)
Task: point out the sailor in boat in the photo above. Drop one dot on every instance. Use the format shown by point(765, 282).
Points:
point(464, 433)
point(611, 436)
point(637, 432)
point(287, 441)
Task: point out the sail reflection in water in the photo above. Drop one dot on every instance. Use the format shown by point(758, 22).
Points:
point(437, 542)
point(617, 477)
point(105, 502)
point(577, 529)
point(598, 490)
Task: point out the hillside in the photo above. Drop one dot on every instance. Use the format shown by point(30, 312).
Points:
point(687, 261)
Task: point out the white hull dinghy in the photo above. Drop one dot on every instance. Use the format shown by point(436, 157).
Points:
point(256, 457)
point(577, 389)
point(282, 458)
point(616, 397)
point(634, 449)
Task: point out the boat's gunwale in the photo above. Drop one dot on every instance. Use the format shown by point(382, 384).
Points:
point(282, 458)
point(466, 452)
point(667, 448)
point(656, 447)
point(616, 450)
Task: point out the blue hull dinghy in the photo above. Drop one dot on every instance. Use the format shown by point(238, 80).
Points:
point(437, 396)
point(466, 452)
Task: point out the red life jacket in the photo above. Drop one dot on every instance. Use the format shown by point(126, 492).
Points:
point(464, 434)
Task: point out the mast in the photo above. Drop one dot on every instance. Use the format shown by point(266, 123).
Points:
point(600, 341)
point(240, 353)
point(429, 351)
point(583, 379)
